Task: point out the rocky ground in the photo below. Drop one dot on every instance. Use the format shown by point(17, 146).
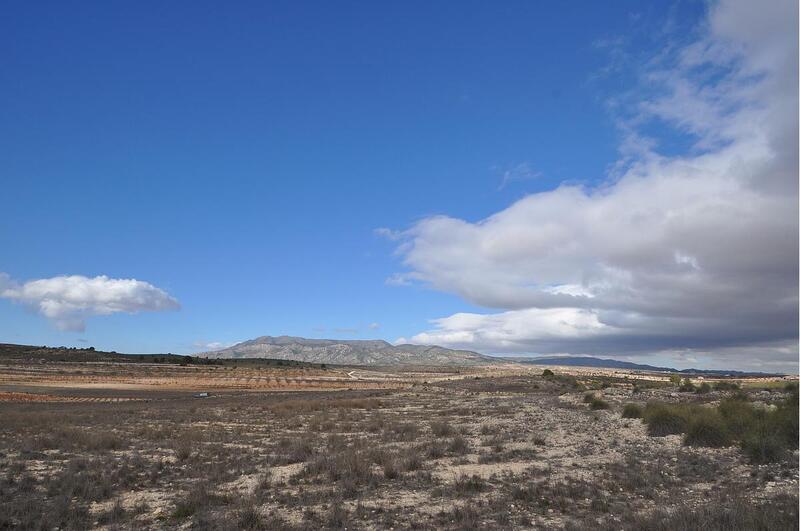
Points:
point(491, 450)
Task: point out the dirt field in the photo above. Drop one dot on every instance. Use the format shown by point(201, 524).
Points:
point(128, 446)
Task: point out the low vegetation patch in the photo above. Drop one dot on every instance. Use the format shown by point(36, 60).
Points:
point(765, 434)
point(632, 411)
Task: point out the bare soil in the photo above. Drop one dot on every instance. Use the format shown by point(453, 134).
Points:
point(129, 446)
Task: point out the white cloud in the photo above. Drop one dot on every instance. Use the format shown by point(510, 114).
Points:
point(211, 346)
point(68, 300)
point(698, 251)
point(519, 172)
point(389, 234)
point(374, 326)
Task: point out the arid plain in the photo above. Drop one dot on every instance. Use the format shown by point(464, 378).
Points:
point(276, 445)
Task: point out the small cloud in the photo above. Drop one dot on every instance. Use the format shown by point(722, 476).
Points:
point(389, 234)
point(398, 279)
point(68, 300)
point(211, 346)
point(82, 340)
point(374, 326)
point(519, 172)
point(346, 330)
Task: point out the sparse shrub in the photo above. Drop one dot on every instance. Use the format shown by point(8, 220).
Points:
point(726, 386)
point(197, 498)
point(488, 429)
point(764, 435)
point(707, 428)
point(527, 493)
point(588, 397)
point(458, 445)
point(467, 485)
point(351, 469)
point(675, 379)
point(183, 449)
point(632, 411)
point(547, 373)
point(739, 416)
point(114, 515)
point(441, 429)
point(390, 470)
point(433, 449)
point(687, 386)
point(762, 446)
point(465, 517)
point(411, 462)
point(704, 388)
point(338, 517)
point(249, 518)
point(598, 403)
point(664, 419)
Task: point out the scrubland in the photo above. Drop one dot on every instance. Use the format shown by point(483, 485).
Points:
point(488, 450)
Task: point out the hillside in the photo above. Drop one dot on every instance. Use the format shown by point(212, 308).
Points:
point(605, 363)
point(349, 352)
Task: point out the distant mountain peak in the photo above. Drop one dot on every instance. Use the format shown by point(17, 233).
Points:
point(349, 352)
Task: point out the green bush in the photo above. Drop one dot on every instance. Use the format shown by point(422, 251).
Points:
point(726, 386)
point(765, 435)
point(632, 411)
point(597, 403)
point(739, 416)
point(588, 397)
point(687, 386)
point(664, 419)
point(547, 373)
point(704, 388)
point(707, 428)
point(762, 445)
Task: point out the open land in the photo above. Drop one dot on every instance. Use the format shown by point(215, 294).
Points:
point(114, 445)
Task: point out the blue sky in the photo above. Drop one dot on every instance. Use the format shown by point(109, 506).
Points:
point(241, 159)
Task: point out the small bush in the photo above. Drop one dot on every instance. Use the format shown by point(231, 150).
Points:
point(465, 517)
point(466, 485)
point(547, 373)
point(707, 428)
point(632, 411)
point(761, 446)
point(588, 397)
point(664, 419)
point(598, 403)
point(687, 386)
point(726, 386)
point(249, 518)
point(458, 445)
point(765, 435)
point(704, 388)
point(441, 429)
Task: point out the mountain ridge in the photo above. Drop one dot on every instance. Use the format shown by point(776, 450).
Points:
point(349, 352)
point(607, 363)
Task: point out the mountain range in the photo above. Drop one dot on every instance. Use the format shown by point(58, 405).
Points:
point(381, 353)
point(349, 352)
point(605, 363)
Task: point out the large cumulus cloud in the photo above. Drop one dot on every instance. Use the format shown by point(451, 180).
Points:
point(68, 300)
point(697, 251)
